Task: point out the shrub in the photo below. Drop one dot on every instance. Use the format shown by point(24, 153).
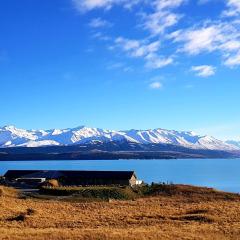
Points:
point(105, 193)
point(156, 189)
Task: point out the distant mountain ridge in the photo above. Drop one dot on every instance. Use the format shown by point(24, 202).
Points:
point(11, 136)
point(233, 142)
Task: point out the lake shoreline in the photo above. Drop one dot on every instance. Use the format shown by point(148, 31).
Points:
point(221, 174)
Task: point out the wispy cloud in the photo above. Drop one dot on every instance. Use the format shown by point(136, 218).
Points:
point(101, 36)
point(161, 19)
point(148, 51)
point(233, 8)
point(222, 37)
point(119, 65)
point(233, 60)
point(155, 85)
point(155, 61)
point(163, 16)
point(199, 39)
point(167, 4)
point(88, 5)
point(204, 70)
point(99, 23)
point(137, 48)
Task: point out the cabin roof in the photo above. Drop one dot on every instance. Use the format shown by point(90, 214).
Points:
point(51, 174)
point(18, 173)
point(44, 174)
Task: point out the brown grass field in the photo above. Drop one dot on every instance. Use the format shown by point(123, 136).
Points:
point(185, 213)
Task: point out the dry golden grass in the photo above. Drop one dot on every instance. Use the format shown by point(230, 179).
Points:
point(185, 213)
point(8, 192)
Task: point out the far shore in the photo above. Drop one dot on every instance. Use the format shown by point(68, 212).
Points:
point(118, 159)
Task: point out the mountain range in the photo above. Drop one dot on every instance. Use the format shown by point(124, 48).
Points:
point(11, 136)
point(95, 143)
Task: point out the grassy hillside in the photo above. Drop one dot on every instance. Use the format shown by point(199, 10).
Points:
point(165, 212)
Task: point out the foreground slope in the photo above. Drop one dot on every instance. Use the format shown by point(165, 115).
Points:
point(181, 212)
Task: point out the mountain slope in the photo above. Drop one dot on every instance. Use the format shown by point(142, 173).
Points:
point(11, 136)
point(235, 143)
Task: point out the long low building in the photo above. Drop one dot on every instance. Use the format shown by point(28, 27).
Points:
point(84, 178)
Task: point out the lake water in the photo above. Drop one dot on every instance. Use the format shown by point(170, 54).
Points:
point(222, 174)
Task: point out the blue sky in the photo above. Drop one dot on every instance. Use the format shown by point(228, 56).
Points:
point(121, 64)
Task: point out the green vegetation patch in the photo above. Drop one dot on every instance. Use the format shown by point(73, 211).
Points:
point(106, 193)
point(128, 193)
point(156, 189)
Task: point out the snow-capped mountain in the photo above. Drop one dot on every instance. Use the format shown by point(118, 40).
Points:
point(11, 136)
point(235, 143)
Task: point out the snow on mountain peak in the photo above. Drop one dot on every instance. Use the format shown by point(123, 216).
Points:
point(10, 136)
point(9, 128)
point(234, 142)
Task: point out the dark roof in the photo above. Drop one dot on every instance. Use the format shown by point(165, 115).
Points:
point(99, 174)
point(50, 174)
point(18, 173)
point(44, 174)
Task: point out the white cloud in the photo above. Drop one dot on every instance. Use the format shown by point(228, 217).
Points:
point(233, 60)
point(101, 36)
point(159, 17)
point(144, 50)
point(200, 39)
point(223, 37)
point(163, 4)
point(119, 66)
point(155, 62)
point(204, 70)
point(137, 48)
point(131, 3)
point(88, 5)
point(163, 16)
point(129, 45)
point(155, 85)
point(98, 23)
point(231, 45)
point(233, 8)
point(159, 21)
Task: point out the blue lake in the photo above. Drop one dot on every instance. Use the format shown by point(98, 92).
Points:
point(222, 174)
